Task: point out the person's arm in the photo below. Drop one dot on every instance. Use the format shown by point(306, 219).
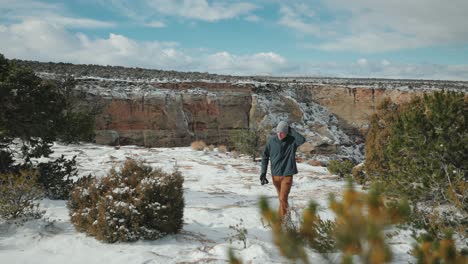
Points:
point(265, 159)
point(298, 138)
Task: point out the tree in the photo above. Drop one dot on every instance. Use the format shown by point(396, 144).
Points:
point(37, 112)
point(248, 141)
point(419, 151)
point(427, 149)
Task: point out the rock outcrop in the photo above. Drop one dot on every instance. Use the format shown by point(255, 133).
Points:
point(164, 109)
point(354, 106)
point(168, 115)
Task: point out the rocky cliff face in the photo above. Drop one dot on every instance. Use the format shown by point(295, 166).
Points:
point(169, 114)
point(333, 119)
point(165, 109)
point(354, 106)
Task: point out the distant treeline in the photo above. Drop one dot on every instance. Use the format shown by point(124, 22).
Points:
point(119, 72)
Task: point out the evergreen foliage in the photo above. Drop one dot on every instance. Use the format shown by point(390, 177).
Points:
point(443, 251)
point(340, 168)
point(37, 112)
point(18, 195)
point(419, 149)
point(376, 164)
point(358, 231)
point(248, 141)
point(358, 228)
point(56, 177)
point(427, 149)
point(137, 202)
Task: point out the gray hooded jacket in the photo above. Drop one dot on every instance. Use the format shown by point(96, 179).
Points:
point(282, 154)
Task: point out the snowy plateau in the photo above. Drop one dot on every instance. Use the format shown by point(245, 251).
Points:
point(219, 190)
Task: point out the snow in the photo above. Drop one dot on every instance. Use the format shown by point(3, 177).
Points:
point(219, 191)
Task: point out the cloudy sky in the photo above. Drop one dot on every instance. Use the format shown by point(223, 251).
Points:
point(418, 39)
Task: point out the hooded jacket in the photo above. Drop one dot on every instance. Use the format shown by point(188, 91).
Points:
point(282, 154)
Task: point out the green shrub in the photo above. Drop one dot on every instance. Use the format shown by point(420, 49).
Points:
point(137, 202)
point(317, 233)
point(418, 150)
point(340, 168)
point(19, 193)
point(6, 161)
point(422, 150)
point(381, 122)
point(56, 177)
point(357, 230)
point(248, 141)
point(444, 251)
point(427, 150)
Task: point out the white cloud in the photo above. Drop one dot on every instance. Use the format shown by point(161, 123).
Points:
point(372, 42)
point(55, 14)
point(375, 69)
point(379, 26)
point(71, 22)
point(39, 40)
point(252, 18)
point(202, 10)
point(26, 4)
point(263, 63)
point(433, 20)
point(362, 62)
point(156, 24)
point(294, 17)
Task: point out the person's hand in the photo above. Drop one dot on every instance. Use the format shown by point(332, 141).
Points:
point(263, 179)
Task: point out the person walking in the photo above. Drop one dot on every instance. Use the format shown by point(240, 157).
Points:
point(280, 150)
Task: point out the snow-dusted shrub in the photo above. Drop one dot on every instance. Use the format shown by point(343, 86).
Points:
point(19, 193)
point(56, 177)
point(357, 231)
point(340, 168)
point(240, 233)
point(222, 149)
point(418, 150)
point(198, 145)
point(359, 175)
point(235, 154)
point(423, 149)
point(137, 202)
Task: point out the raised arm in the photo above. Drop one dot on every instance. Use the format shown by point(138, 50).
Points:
point(298, 138)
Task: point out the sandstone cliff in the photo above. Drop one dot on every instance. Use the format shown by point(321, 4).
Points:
point(333, 119)
point(164, 109)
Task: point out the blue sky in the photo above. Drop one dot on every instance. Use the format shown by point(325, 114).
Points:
point(419, 39)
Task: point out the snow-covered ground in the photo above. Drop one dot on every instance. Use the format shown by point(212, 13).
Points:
point(219, 191)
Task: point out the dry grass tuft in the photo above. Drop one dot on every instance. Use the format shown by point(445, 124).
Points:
point(222, 149)
point(198, 145)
